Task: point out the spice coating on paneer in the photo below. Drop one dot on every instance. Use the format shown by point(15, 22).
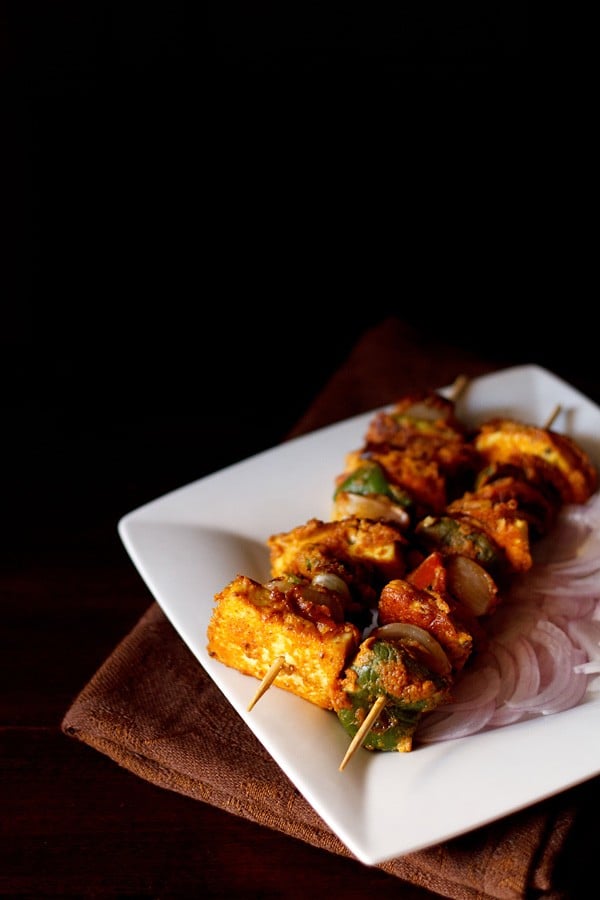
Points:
point(537, 503)
point(423, 454)
point(253, 624)
point(362, 552)
point(419, 477)
point(543, 455)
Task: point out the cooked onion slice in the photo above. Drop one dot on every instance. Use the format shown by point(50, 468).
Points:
point(333, 583)
point(326, 591)
point(405, 631)
point(370, 506)
point(472, 585)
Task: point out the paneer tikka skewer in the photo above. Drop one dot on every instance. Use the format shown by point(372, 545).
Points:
point(413, 549)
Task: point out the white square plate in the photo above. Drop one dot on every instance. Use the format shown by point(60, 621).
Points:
point(190, 543)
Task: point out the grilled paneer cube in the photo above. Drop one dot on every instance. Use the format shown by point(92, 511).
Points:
point(252, 624)
point(363, 553)
point(425, 412)
point(419, 478)
point(416, 458)
point(537, 503)
point(544, 456)
point(425, 427)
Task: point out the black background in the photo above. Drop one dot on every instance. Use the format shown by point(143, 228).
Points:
point(207, 204)
point(204, 206)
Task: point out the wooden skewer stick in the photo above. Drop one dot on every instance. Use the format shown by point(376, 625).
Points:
point(364, 729)
point(555, 413)
point(460, 383)
point(268, 680)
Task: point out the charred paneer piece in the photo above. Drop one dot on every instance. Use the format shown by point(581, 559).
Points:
point(425, 426)
point(543, 456)
point(538, 503)
point(420, 478)
point(424, 412)
point(253, 624)
point(363, 553)
point(416, 458)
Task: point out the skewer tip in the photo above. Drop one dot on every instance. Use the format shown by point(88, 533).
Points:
point(553, 416)
point(362, 732)
point(268, 680)
point(459, 385)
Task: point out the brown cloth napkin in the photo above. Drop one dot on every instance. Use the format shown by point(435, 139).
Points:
point(144, 706)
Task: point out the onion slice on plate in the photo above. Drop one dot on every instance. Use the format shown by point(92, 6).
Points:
point(543, 654)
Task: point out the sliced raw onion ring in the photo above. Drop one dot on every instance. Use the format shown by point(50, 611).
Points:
point(544, 637)
point(443, 727)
